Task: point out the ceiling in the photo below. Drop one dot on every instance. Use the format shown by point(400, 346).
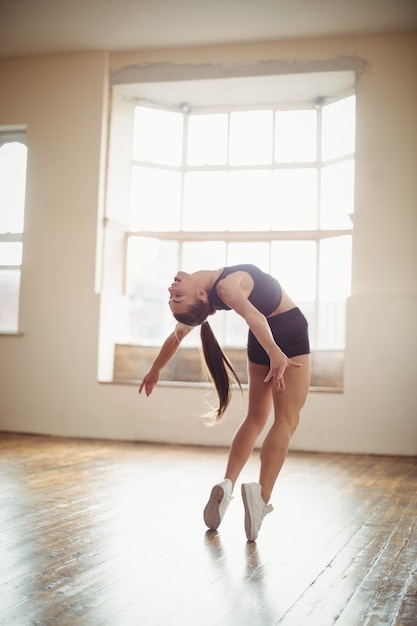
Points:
point(31, 27)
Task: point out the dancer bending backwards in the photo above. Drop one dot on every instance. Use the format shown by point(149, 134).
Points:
point(278, 365)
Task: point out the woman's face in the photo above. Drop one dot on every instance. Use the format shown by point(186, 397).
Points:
point(183, 293)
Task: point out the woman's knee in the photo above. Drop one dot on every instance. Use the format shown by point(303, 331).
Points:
point(293, 423)
point(288, 420)
point(257, 419)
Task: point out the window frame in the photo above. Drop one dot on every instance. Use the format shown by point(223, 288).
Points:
point(337, 81)
point(13, 135)
point(265, 236)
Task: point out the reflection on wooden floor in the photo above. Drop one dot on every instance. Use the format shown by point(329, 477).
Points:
point(112, 533)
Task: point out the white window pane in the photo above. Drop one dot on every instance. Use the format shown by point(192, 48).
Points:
point(256, 252)
point(155, 199)
point(151, 267)
point(157, 136)
point(332, 326)
point(235, 331)
point(249, 206)
point(334, 288)
point(9, 300)
point(205, 201)
point(295, 136)
point(335, 268)
point(295, 199)
point(293, 263)
point(207, 139)
point(11, 253)
point(337, 195)
point(338, 128)
point(12, 187)
point(250, 137)
point(203, 255)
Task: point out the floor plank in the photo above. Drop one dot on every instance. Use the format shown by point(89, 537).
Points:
point(97, 533)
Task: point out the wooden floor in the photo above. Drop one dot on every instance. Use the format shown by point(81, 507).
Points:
point(112, 533)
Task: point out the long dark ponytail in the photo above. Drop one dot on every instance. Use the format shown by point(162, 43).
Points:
point(221, 371)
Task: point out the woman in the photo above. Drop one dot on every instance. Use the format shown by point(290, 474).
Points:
point(279, 373)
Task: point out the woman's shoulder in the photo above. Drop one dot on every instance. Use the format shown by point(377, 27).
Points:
point(237, 282)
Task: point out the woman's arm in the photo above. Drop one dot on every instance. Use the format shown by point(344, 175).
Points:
point(166, 353)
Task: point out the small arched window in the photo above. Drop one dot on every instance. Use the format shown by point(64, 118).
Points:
point(13, 158)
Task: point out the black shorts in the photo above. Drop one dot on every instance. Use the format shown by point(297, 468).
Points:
point(290, 331)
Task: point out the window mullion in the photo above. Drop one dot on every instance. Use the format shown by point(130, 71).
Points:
point(182, 191)
point(319, 163)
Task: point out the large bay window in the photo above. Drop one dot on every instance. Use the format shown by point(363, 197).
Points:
point(210, 186)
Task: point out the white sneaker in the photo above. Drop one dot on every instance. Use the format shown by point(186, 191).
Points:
point(255, 509)
point(219, 500)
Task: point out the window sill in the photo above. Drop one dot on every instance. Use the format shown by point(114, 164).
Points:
point(196, 385)
point(132, 362)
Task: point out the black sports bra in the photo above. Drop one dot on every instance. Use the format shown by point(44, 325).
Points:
point(266, 293)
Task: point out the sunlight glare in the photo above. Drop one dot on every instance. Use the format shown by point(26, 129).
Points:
point(13, 157)
point(207, 139)
point(338, 128)
point(295, 136)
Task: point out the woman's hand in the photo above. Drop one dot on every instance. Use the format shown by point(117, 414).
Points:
point(166, 353)
point(149, 381)
point(278, 364)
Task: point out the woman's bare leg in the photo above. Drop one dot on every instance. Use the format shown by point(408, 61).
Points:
point(287, 407)
point(259, 407)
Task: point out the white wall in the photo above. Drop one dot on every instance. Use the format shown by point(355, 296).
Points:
point(48, 376)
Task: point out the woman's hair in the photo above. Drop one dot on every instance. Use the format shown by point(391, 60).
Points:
point(196, 314)
point(221, 371)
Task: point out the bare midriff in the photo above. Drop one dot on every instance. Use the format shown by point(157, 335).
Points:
point(286, 304)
